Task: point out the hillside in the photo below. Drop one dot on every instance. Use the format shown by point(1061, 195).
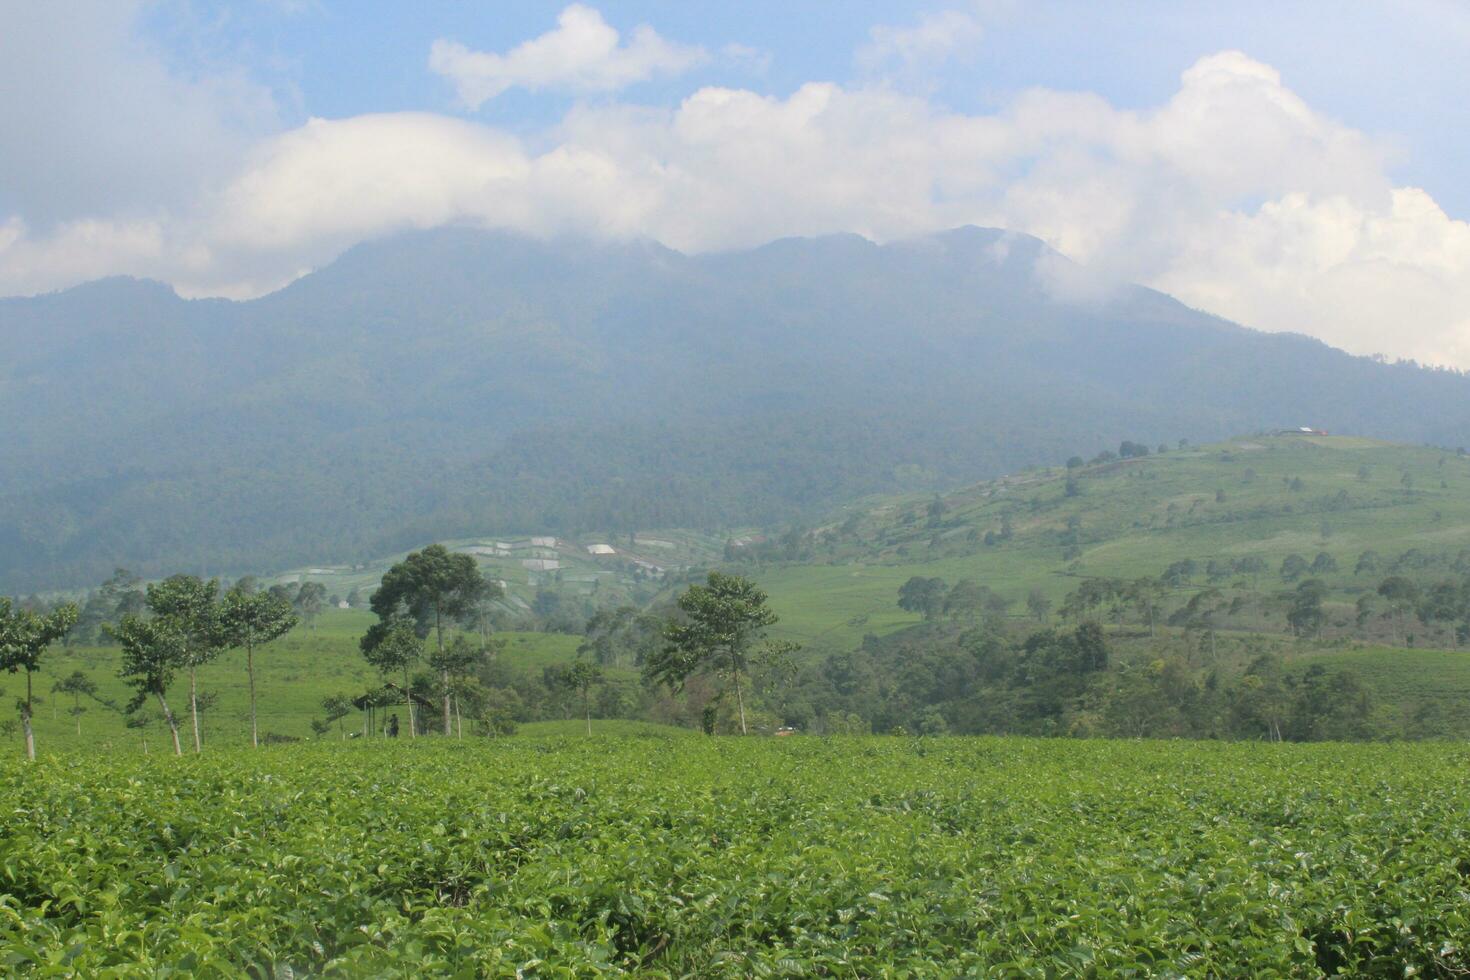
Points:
point(458, 383)
point(1049, 529)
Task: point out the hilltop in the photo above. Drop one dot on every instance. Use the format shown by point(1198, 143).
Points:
point(454, 383)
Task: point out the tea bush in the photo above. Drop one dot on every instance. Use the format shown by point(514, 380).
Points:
point(727, 857)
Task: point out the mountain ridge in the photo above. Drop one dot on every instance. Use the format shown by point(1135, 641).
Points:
point(456, 381)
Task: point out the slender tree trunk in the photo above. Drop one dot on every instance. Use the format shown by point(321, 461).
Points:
point(250, 671)
point(408, 696)
point(194, 710)
point(173, 724)
point(740, 702)
point(587, 710)
point(76, 709)
point(458, 720)
point(444, 676)
point(25, 721)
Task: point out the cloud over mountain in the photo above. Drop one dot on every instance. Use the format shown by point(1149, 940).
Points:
point(1234, 194)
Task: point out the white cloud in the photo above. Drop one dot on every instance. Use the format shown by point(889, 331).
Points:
point(910, 51)
point(582, 54)
point(93, 119)
point(1234, 194)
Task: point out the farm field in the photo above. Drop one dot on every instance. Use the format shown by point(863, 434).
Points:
point(728, 857)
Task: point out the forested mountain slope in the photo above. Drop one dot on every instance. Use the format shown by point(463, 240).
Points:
point(458, 382)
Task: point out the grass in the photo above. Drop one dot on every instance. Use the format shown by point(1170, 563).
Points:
point(1133, 518)
point(1437, 681)
point(292, 676)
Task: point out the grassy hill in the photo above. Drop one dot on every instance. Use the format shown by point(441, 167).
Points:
point(1267, 497)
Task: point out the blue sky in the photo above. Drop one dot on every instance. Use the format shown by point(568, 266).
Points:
point(1394, 69)
point(1293, 166)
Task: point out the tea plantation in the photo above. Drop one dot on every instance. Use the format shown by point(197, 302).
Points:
point(694, 856)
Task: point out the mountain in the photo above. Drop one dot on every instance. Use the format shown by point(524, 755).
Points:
point(455, 382)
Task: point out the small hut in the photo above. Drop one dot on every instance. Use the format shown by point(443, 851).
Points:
point(390, 695)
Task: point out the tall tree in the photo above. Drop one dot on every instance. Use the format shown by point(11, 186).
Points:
point(580, 676)
point(1037, 603)
point(337, 707)
point(309, 601)
point(453, 664)
point(721, 629)
point(250, 619)
point(922, 595)
point(152, 650)
point(435, 587)
point(393, 645)
point(78, 685)
point(1402, 595)
point(123, 594)
point(191, 606)
point(1304, 611)
point(24, 637)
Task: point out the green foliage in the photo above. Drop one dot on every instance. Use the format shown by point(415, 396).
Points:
point(720, 630)
point(435, 587)
point(661, 856)
point(25, 636)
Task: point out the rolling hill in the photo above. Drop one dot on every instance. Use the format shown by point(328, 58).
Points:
point(456, 383)
point(1265, 497)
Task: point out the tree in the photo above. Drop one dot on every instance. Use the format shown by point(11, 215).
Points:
point(24, 637)
point(621, 637)
point(721, 630)
point(1304, 613)
point(309, 601)
point(433, 586)
point(1038, 605)
point(965, 599)
point(152, 650)
point(392, 645)
point(580, 677)
point(922, 595)
point(78, 685)
point(192, 606)
point(1252, 565)
point(250, 619)
point(1323, 564)
point(94, 615)
point(1144, 593)
point(1402, 595)
point(453, 664)
point(122, 594)
point(1293, 567)
point(337, 707)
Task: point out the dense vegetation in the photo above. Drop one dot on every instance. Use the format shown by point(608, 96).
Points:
point(457, 383)
point(1280, 588)
point(696, 857)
